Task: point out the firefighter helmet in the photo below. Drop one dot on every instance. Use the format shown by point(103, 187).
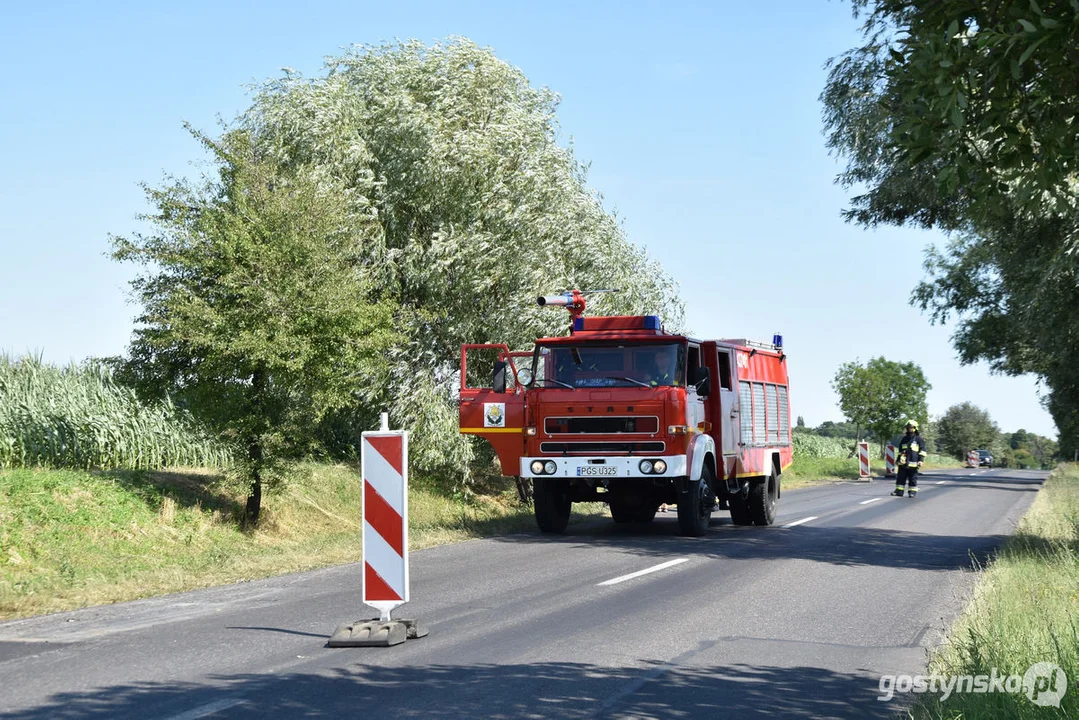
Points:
point(913, 424)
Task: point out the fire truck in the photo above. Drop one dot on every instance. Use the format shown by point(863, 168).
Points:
point(621, 411)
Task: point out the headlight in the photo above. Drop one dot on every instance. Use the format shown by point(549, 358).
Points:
point(659, 467)
point(550, 467)
point(524, 376)
point(537, 467)
point(646, 467)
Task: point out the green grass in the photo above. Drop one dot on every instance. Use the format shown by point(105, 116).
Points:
point(72, 538)
point(1024, 611)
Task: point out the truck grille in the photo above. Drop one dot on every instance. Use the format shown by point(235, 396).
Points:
point(603, 448)
point(601, 425)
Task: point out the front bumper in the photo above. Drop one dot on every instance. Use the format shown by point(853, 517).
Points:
point(605, 467)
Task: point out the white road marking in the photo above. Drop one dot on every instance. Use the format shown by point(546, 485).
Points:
point(654, 568)
point(799, 522)
point(208, 709)
point(866, 502)
point(941, 482)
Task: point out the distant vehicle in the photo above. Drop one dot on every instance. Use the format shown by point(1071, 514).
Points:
point(985, 458)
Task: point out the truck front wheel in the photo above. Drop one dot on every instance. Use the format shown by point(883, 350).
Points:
point(550, 498)
point(695, 502)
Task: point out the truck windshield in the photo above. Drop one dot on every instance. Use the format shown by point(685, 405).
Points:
point(610, 365)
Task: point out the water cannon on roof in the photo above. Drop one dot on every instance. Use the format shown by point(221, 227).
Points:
point(572, 300)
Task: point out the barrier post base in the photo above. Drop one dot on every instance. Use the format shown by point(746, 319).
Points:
point(376, 633)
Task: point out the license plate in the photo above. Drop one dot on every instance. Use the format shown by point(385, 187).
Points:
point(591, 470)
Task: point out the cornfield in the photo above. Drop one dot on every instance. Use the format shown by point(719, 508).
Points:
point(815, 446)
point(79, 417)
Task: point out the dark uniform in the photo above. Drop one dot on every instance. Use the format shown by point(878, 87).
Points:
point(911, 452)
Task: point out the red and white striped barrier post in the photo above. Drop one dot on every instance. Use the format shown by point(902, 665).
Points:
point(385, 510)
point(863, 461)
point(384, 514)
point(972, 459)
point(889, 460)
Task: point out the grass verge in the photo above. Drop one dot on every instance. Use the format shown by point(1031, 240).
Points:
point(71, 539)
point(1023, 612)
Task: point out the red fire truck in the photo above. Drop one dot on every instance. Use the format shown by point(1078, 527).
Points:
point(622, 412)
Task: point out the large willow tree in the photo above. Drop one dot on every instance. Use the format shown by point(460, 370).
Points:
point(480, 209)
point(468, 206)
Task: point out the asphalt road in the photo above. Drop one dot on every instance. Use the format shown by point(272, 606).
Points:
point(796, 620)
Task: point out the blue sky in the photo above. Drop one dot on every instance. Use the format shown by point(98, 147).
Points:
point(700, 121)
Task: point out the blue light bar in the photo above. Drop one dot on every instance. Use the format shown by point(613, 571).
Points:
point(777, 340)
point(651, 322)
point(578, 323)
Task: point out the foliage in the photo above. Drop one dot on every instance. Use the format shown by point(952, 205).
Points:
point(814, 446)
point(882, 394)
point(1026, 449)
point(256, 306)
point(79, 417)
point(471, 210)
point(950, 102)
point(965, 427)
point(832, 429)
point(960, 116)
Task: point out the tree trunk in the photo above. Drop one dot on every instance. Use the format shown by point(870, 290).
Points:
point(254, 453)
point(254, 501)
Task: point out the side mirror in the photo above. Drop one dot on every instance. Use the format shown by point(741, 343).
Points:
point(498, 382)
point(702, 380)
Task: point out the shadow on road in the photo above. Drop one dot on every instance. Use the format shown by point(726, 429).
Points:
point(540, 690)
point(835, 545)
point(838, 546)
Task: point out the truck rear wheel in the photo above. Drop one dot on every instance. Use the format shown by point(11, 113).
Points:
point(695, 504)
point(762, 499)
point(740, 513)
point(550, 498)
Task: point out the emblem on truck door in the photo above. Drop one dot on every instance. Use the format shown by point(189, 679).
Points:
point(494, 415)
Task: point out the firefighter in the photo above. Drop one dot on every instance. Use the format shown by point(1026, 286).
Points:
point(664, 374)
point(910, 458)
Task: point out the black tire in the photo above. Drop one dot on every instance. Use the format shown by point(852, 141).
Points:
point(740, 514)
point(551, 502)
point(695, 502)
point(624, 512)
point(762, 499)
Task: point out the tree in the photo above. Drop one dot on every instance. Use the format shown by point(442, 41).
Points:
point(960, 116)
point(257, 308)
point(965, 427)
point(832, 429)
point(477, 210)
point(1028, 448)
point(881, 394)
point(801, 422)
